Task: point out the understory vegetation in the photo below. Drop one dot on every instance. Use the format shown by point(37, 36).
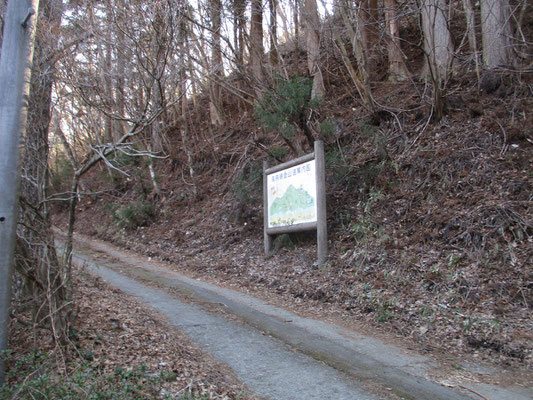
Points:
point(84, 382)
point(430, 229)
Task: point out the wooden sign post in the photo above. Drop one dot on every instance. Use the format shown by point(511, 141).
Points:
point(294, 196)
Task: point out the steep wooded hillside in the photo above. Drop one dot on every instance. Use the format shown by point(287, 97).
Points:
point(430, 223)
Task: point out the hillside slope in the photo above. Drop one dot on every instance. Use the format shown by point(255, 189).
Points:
point(430, 224)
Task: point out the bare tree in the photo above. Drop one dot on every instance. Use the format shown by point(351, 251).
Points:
point(359, 73)
point(183, 41)
point(273, 32)
point(160, 32)
point(16, 56)
point(217, 68)
point(470, 25)
point(149, 84)
point(496, 33)
point(296, 23)
point(256, 45)
point(312, 25)
point(36, 257)
point(368, 24)
point(438, 44)
point(438, 49)
point(397, 69)
point(239, 33)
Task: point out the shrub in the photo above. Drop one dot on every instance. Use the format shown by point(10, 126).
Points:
point(247, 184)
point(283, 241)
point(132, 215)
point(282, 108)
point(278, 153)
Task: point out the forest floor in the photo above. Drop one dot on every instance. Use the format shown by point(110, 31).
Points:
point(118, 348)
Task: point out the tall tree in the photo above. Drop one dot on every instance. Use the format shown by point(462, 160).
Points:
point(312, 25)
point(160, 32)
point(470, 25)
point(296, 24)
point(438, 44)
point(273, 32)
point(360, 75)
point(183, 41)
point(438, 49)
point(239, 33)
point(496, 33)
point(217, 67)
point(368, 24)
point(36, 254)
point(256, 45)
point(397, 68)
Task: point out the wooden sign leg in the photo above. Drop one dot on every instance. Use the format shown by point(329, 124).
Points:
point(321, 223)
point(267, 237)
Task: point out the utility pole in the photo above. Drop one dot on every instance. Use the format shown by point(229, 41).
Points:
point(15, 61)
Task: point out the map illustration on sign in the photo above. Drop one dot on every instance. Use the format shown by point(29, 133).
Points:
point(292, 196)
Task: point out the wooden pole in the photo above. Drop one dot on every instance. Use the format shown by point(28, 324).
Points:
point(267, 237)
point(15, 60)
point(321, 222)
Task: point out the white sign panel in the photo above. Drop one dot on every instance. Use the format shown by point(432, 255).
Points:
point(292, 195)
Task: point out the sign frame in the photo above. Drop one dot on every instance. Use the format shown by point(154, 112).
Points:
point(321, 223)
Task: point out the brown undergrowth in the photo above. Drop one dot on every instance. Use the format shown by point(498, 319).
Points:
point(430, 223)
point(118, 348)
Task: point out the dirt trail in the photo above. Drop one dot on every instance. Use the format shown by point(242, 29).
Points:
point(276, 353)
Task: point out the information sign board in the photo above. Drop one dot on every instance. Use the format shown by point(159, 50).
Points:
point(291, 195)
point(294, 199)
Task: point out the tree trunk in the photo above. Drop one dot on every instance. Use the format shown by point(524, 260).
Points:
point(470, 25)
point(239, 32)
point(256, 46)
point(273, 32)
point(183, 102)
point(122, 55)
point(496, 33)
point(15, 61)
point(397, 69)
point(471, 33)
point(217, 68)
point(360, 76)
point(159, 54)
point(296, 22)
point(37, 259)
point(312, 24)
point(109, 135)
point(368, 21)
point(437, 40)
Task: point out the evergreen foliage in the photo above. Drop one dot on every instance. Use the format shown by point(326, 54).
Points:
point(247, 184)
point(134, 214)
point(282, 108)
